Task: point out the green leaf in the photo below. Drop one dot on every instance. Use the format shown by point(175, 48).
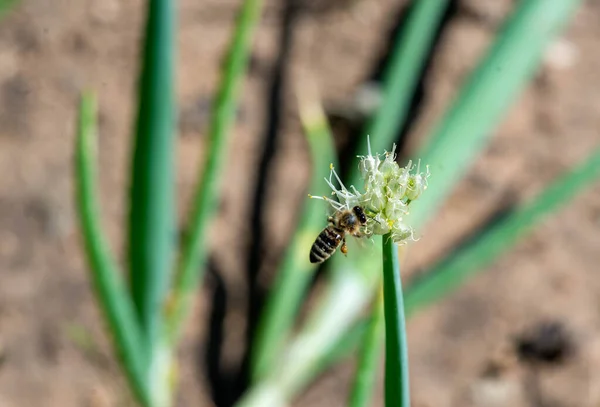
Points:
point(369, 354)
point(111, 292)
point(453, 146)
point(6, 6)
point(152, 209)
point(483, 100)
point(350, 286)
point(489, 245)
point(191, 265)
point(296, 271)
point(467, 126)
point(344, 347)
point(303, 356)
point(401, 75)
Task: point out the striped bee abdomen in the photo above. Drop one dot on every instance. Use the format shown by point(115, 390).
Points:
point(325, 244)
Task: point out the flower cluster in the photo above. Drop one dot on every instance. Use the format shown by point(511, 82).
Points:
point(388, 191)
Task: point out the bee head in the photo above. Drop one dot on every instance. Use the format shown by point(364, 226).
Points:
point(360, 214)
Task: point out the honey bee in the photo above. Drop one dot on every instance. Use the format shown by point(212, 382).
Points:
point(341, 223)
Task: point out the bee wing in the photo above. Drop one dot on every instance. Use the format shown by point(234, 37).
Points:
point(360, 240)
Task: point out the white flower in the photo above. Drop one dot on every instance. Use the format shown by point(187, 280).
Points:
point(388, 192)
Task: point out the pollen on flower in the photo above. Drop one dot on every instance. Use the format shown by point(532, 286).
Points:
point(388, 192)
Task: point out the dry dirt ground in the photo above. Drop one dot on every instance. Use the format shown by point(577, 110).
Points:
point(53, 351)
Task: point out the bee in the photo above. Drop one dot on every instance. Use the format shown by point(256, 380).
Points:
point(343, 222)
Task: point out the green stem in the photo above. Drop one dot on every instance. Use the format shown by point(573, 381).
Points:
point(364, 380)
point(396, 350)
point(191, 265)
point(112, 295)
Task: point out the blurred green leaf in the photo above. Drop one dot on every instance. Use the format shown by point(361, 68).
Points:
point(344, 347)
point(368, 357)
point(482, 101)
point(111, 292)
point(401, 76)
point(152, 210)
point(459, 137)
point(191, 265)
point(6, 6)
point(490, 244)
point(351, 284)
point(296, 271)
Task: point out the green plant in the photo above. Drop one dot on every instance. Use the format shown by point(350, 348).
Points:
point(453, 145)
point(291, 282)
point(145, 321)
point(400, 82)
point(368, 358)
point(396, 349)
point(146, 318)
point(6, 6)
point(110, 288)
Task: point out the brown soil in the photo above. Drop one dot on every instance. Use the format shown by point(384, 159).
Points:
point(53, 351)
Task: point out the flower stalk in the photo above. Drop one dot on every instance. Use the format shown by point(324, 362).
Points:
point(396, 350)
point(389, 190)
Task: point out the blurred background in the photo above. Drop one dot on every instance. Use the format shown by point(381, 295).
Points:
point(545, 292)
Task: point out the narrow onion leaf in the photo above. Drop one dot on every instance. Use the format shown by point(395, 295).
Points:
point(368, 358)
point(296, 271)
point(191, 266)
point(350, 287)
point(483, 100)
point(152, 208)
point(451, 149)
point(452, 271)
point(112, 295)
point(401, 76)
point(344, 347)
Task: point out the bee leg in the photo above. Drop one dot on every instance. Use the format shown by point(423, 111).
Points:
point(330, 219)
point(344, 248)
